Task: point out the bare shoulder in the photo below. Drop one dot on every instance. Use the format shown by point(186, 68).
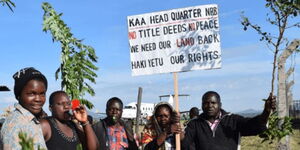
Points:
point(45, 124)
point(46, 128)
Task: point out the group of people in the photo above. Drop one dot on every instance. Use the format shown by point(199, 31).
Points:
point(68, 129)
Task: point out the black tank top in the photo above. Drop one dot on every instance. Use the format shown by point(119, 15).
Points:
point(58, 140)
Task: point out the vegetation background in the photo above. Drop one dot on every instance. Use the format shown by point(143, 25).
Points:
point(254, 142)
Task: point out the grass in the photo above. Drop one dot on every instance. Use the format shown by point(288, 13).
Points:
point(254, 142)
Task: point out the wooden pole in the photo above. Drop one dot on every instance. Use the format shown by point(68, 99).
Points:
point(176, 106)
point(138, 109)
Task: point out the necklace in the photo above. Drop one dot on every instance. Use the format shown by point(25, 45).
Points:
point(69, 139)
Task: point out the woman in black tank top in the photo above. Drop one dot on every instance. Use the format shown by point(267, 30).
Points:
point(60, 133)
point(59, 140)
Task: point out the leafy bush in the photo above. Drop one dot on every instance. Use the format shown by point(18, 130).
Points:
point(26, 142)
point(277, 129)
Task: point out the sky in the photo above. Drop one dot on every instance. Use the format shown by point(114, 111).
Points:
point(242, 82)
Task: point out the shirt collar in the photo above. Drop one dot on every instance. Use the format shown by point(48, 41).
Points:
point(219, 116)
point(26, 113)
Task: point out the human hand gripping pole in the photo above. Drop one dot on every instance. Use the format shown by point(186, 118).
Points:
point(270, 107)
point(176, 127)
point(270, 104)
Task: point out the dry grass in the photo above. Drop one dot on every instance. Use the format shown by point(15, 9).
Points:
point(254, 143)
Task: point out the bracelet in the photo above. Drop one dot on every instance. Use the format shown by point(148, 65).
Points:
point(85, 123)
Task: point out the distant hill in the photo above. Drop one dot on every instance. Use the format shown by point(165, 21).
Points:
point(97, 116)
point(249, 112)
point(245, 113)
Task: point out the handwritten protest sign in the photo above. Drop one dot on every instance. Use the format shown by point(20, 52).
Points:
point(175, 40)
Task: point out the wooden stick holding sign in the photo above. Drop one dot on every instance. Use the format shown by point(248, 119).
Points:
point(176, 106)
point(162, 43)
point(138, 112)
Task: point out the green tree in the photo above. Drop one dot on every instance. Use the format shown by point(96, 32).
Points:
point(281, 12)
point(8, 3)
point(76, 68)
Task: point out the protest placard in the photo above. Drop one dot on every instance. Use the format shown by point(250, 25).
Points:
point(175, 40)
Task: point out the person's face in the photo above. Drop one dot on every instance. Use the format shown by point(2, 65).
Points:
point(114, 111)
point(211, 106)
point(163, 116)
point(61, 107)
point(33, 96)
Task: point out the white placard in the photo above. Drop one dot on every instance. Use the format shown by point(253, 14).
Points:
point(175, 40)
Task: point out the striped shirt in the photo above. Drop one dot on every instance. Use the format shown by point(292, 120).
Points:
point(214, 125)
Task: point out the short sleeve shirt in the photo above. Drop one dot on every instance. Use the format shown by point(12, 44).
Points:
point(21, 120)
point(117, 138)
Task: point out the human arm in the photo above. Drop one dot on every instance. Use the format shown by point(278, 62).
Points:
point(176, 127)
point(46, 129)
point(9, 137)
point(189, 135)
point(173, 128)
point(150, 139)
point(14, 125)
point(257, 124)
point(270, 104)
point(156, 142)
point(90, 139)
